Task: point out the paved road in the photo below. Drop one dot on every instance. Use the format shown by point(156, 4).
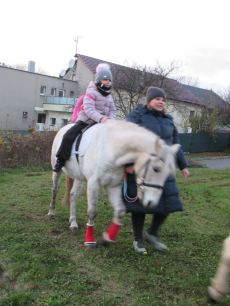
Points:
point(216, 162)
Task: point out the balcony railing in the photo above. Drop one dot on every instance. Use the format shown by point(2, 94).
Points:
point(61, 100)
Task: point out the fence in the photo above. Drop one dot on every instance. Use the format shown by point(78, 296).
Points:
point(204, 142)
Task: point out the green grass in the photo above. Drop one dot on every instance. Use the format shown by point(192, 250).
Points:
point(43, 263)
point(207, 154)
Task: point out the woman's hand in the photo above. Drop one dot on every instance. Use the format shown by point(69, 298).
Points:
point(185, 172)
point(104, 119)
point(129, 169)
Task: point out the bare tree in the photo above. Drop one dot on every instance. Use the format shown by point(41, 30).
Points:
point(41, 70)
point(130, 84)
point(224, 114)
point(224, 108)
point(221, 105)
point(188, 80)
point(226, 95)
point(23, 66)
point(20, 66)
point(205, 121)
point(213, 115)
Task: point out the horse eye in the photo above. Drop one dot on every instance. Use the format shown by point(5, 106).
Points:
point(156, 169)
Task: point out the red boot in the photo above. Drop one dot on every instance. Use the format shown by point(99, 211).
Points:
point(89, 237)
point(112, 232)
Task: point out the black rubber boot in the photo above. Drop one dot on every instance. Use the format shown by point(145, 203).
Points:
point(59, 164)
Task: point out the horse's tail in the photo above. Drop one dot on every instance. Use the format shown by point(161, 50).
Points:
point(69, 185)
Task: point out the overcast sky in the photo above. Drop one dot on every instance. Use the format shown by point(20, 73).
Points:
point(196, 33)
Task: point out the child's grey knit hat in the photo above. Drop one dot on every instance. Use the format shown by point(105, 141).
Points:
point(155, 92)
point(103, 72)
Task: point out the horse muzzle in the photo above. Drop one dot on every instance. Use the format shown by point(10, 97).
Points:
point(150, 199)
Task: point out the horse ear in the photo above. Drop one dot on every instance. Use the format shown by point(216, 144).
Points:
point(174, 148)
point(158, 144)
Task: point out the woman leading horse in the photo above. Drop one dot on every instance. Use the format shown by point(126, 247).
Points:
point(153, 116)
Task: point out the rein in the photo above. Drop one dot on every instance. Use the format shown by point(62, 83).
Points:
point(128, 199)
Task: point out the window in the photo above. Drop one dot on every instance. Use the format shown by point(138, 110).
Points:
point(64, 122)
point(74, 77)
point(53, 92)
point(52, 121)
point(191, 115)
point(24, 114)
point(41, 118)
point(71, 93)
point(42, 91)
point(61, 93)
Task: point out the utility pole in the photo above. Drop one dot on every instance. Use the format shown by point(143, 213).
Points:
point(76, 41)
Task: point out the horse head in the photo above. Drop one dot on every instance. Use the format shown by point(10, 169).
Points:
point(152, 171)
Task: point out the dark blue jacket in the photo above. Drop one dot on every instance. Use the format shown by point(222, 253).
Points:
point(162, 125)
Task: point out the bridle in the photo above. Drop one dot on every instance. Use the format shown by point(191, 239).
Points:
point(143, 184)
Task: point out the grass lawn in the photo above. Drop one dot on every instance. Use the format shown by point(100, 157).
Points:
point(43, 263)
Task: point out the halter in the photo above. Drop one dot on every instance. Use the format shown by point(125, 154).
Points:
point(143, 178)
point(131, 200)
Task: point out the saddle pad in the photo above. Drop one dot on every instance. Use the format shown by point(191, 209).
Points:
point(85, 141)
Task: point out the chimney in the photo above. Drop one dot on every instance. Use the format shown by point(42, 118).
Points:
point(31, 66)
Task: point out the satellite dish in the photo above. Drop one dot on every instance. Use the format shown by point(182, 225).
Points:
point(71, 63)
point(62, 73)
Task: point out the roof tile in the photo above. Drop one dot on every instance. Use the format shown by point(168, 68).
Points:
point(180, 92)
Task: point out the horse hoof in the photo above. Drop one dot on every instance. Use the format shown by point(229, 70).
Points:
point(73, 228)
point(91, 245)
point(50, 216)
point(214, 296)
point(106, 239)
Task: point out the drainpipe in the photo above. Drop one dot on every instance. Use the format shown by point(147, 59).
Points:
point(7, 116)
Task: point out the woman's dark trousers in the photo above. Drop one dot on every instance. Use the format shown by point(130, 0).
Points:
point(138, 224)
point(64, 151)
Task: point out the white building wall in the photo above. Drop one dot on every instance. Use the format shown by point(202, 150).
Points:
point(20, 92)
point(180, 111)
point(83, 75)
point(58, 116)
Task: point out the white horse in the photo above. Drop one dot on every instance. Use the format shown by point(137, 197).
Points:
point(115, 144)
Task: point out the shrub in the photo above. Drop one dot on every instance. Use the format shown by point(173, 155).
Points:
point(195, 164)
point(30, 150)
point(31, 129)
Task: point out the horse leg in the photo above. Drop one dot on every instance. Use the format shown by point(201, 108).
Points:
point(92, 195)
point(115, 198)
point(56, 185)
point(74, 194)
point(219, 283)
point(69, 185)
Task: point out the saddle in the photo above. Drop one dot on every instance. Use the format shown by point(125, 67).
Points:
point(83, 141)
